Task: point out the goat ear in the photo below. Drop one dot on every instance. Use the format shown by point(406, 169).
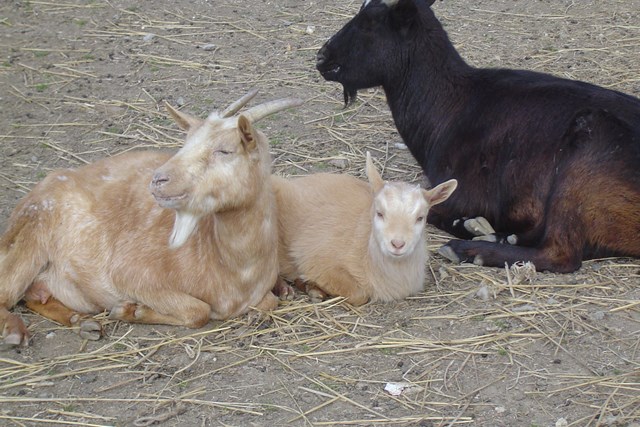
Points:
point(247, 133)
point(184, 120)
point(440, 192)
point(375, 180)
point(403, 13)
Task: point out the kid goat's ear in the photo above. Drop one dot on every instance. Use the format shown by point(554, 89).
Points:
point(440, 192)
point(184, 120)
point(247, 133)
point(375, 180)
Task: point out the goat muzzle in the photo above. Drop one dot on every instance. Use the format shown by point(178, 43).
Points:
point(159, 179)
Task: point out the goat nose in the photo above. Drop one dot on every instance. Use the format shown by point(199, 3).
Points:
point(159, 179)
point(321, 56)
point(397, 243)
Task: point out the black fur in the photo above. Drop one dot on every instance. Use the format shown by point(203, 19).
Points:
point(554, 161)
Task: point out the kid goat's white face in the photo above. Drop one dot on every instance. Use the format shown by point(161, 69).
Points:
point(400, 213)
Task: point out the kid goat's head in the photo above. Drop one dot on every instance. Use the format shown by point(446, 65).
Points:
point(400, 212)
point(223, 164)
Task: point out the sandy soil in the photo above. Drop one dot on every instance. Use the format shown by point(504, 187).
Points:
point(82, 80)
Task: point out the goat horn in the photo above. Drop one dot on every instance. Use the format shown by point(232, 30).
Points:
point(263, 110)
point(236, 106)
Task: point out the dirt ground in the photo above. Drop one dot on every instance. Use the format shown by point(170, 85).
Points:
point(84, 79)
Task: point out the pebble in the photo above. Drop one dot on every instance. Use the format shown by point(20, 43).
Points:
point(483, 293)
point(208, 47)
point(180, 101)
point(339, 163)
point(400, 146)
point(148, 37)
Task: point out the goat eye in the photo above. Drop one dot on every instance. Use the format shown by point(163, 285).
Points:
point(379, 214)
point(223, 152)
point(420, 219)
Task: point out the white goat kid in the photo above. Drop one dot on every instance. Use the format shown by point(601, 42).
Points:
point(365, 242)
point(200, 248)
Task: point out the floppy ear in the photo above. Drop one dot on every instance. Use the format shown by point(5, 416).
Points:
point(375, 180)
point(184, 120)
point(440, 193)
point(247, 133)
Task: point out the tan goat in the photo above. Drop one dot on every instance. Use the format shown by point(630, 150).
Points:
point(151, 237)
point(365, 242)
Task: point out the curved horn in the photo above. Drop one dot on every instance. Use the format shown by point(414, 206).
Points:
point(236, 106)
point(263, 110)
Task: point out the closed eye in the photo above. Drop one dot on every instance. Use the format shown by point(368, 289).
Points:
point(420, 219)
point(223, 152)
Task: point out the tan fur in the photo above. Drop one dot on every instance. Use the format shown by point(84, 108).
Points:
point(332, 235)
point(95, 238)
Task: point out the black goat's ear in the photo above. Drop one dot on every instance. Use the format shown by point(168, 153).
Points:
point(403, 13)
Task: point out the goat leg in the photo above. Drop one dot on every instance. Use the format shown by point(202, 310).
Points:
point(283, 290)
point(186, 310)
point(316, 295)
point(14, 331)
point(548, 257)
point(53, 309)
point(38, 298)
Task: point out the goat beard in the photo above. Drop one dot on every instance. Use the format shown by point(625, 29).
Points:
point(350, 95)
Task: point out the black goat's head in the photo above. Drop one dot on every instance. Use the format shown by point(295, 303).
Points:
point(366, 50)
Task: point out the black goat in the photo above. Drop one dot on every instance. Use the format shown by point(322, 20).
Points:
point(553, 164)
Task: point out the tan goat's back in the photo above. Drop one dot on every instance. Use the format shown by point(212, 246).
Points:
point(323, 222)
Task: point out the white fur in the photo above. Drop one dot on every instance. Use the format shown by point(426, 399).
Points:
point(183, 227)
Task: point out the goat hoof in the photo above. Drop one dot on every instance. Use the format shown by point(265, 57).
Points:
point(90, 330)
point(487, 238)
point(316, 295)
point(15, 332)
point(447, 252)
point(478, 226)
point(15, 339)
point(284, 291)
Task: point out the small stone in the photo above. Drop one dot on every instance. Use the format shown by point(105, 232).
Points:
point(208, 47)
point(180, 101)
point(483, 293)
point(598, 315)
point(50, 335)
point(562, 422)
point(148, 37)
point(310, 29)
point(500, 409)
point(400, 146)
point(339, 163)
